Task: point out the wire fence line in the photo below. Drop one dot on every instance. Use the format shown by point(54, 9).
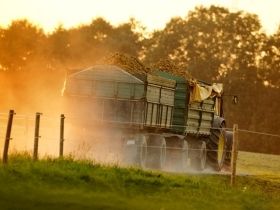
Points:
point(74, 142)
point(213, 128)
point(93, 122)
point(23, 131)
point(259, 133)
point(54, 119)
point(27, 115)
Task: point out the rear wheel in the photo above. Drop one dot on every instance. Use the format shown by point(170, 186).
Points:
point(185, 155)
point(217, 147)
point(198, 159)
point(135, 150)
point(142, 151)
point(177, 154)
point(156, 151)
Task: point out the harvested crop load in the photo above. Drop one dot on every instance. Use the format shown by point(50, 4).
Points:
point(168, 65)
point(129, 63)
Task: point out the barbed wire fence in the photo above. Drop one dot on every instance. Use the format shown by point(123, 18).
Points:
point(42, 135)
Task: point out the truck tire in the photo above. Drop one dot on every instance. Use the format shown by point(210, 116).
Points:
point(156, 151)
point(142, 151)
point(176, 154)
point(130, 150)
point(184, 155)
point(199, 156)
point(135, 150)
point(216, 145)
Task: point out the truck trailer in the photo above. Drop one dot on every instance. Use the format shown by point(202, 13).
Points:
point(162, 120)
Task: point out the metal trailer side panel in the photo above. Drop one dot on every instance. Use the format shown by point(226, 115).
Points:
point(160, 102)
point(121, 98)
point(106, 93)
point(180, 101)
point(104, 81)
point(200, 117)
point(195, 118)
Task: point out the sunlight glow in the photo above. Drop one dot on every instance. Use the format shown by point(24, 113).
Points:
point(152, 14)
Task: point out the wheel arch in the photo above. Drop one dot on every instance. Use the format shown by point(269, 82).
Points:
point(218, 121)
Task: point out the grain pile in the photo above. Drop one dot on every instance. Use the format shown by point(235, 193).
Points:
point(126, 62)
point(170, 66)
point(134, 66)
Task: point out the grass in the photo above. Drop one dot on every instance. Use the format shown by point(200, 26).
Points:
point(264, 166)
point(258, 164)
point(68, 184)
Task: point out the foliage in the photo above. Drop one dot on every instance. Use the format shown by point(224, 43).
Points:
point(66, 184)
point(19, 45)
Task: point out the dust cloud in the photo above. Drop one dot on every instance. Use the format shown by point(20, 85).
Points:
point(85, 137)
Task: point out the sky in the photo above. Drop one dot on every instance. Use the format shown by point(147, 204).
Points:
point(153, 14)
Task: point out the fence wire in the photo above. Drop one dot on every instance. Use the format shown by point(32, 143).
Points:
point(24, 125)
point(103, 121)
point(30, 117)
point(94, 122)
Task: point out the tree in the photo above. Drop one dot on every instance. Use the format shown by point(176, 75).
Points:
point(126, 39)
point(269, 61)
point(210, 42)
point(163, 44)
point(20, 44)
point(59, 46)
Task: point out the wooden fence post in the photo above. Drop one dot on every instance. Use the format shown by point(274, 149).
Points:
point(36, 136)
point(8, 136)
point(234, 153)
point(62, 117)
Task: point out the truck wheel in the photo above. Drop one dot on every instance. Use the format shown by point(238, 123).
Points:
point(198, 159)
point(142, 151)
point(135, 150)
point(217, 147)
point(185, 155)
point(156, 151)
point(176, 154)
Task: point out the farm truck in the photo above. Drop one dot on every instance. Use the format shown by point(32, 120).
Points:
point(161, 120)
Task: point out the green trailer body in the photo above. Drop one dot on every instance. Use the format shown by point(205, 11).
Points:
point(105, 93)
point(104, 81)
point(200, 117)
point(160, 102)
point(121, 97)
point(193, 118)
point(181, 100)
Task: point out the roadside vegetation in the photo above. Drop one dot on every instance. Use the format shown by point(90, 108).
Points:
point(68, 184)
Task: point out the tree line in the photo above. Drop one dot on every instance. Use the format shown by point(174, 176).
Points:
point(211, 43)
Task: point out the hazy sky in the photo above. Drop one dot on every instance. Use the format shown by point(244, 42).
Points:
point(151, 13)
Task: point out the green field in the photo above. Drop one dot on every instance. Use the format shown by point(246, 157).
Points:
point(67, 184)
point(258, 164)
